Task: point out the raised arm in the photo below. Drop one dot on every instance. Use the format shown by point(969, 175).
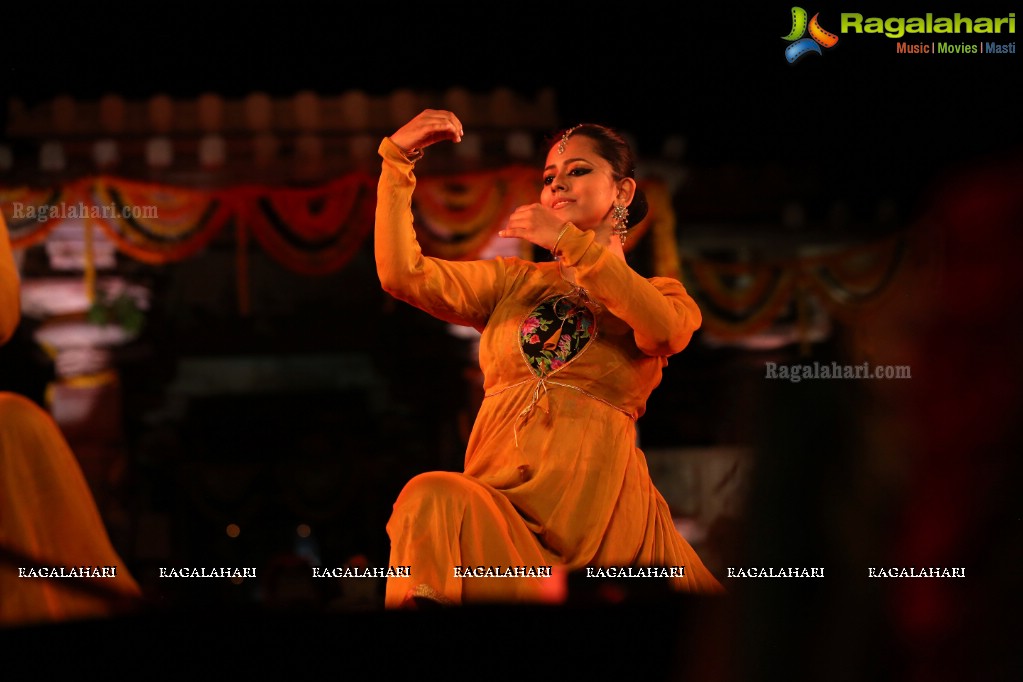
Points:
point(462, 292)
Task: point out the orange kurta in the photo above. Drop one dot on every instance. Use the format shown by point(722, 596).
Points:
point(48, 517)
point(552, 472)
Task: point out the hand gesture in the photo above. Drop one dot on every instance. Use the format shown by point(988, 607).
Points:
point(534, 223)
point(431, 125)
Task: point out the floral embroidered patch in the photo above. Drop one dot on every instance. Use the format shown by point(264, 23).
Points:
point(554, 333)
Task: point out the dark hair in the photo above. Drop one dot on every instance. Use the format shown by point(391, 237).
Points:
point(613, 148)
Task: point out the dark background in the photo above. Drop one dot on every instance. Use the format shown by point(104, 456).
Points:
point(864, 122)
point(715, 74)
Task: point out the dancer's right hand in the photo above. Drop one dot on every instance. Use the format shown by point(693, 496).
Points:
point(428, 127)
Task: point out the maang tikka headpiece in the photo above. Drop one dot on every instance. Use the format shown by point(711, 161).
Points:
point(564, 138)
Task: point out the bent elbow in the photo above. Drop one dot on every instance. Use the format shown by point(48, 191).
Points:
point(395, 286)
point(680, 340)
point(665, 345)
point(673, 337)
point(394, 279)
point(688, 321)
point(388, 283)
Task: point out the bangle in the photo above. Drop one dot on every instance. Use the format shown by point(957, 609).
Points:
point(412, 155)
point(554, 249)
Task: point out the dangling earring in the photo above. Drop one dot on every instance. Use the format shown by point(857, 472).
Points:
point(620, 216)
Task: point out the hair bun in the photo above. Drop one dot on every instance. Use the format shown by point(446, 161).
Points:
point(638, 208)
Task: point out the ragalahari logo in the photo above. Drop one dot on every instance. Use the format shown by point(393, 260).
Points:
point(802, 46)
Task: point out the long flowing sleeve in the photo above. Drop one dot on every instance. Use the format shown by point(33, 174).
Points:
point(660, 311)
point(10, 306)
point(460, 292)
